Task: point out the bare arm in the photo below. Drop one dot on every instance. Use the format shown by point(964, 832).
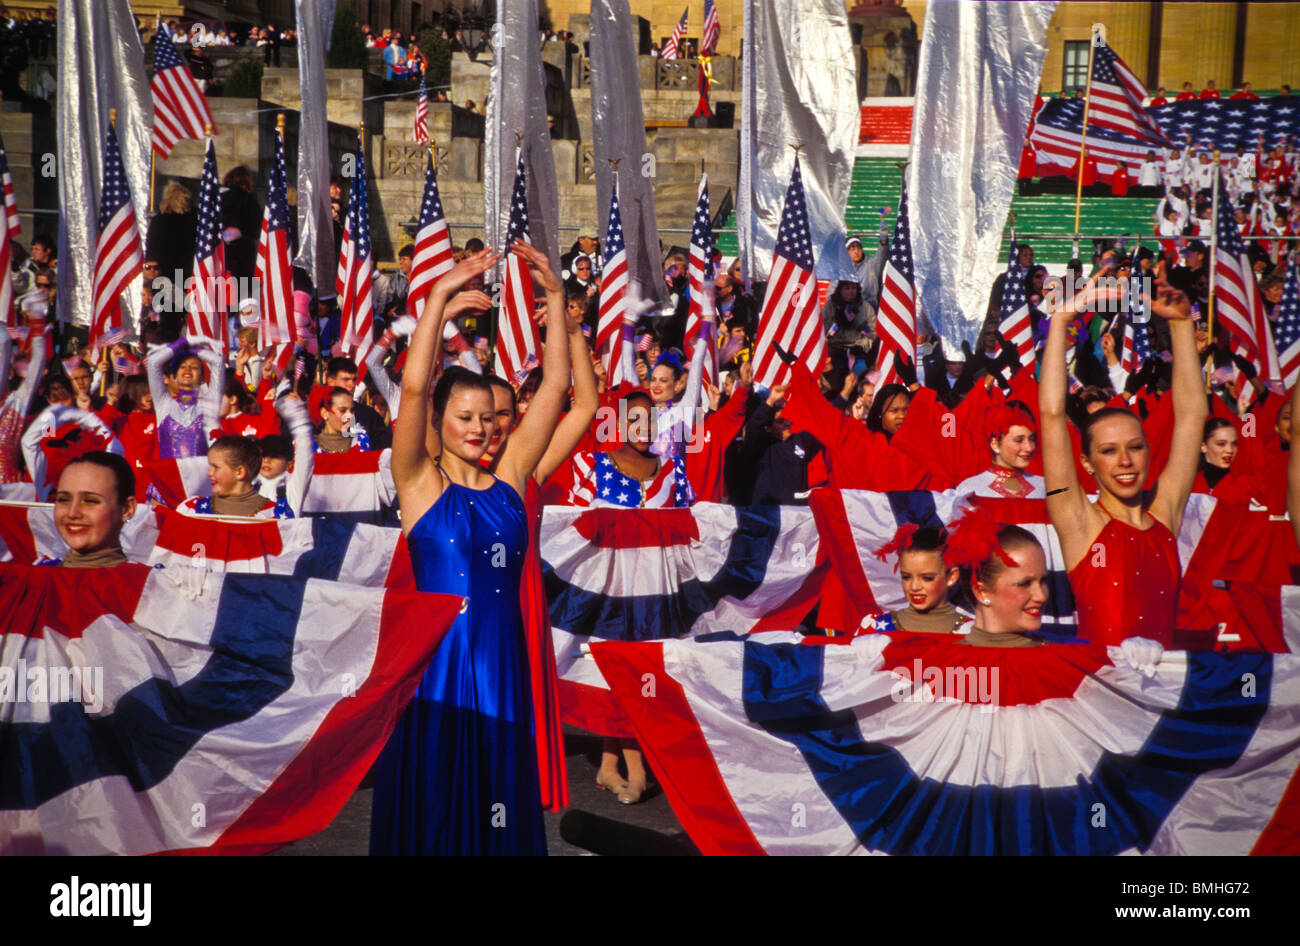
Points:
point(1076, 522)
point(525, 448)
point(414, 470)
point(586, 401)
point(1188, 392)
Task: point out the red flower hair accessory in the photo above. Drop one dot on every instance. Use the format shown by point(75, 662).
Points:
point(973, 539)
point(899, 543)
point(1002, 418)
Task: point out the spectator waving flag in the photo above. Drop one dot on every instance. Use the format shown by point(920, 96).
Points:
point(613, 294)
point(896, 322)
point(709, 42)
point(432, 244)
point(273, 266)
point(422, 115)
point(673, 48)
point(1287, 328)
point(1015, 324)
point(208, 298)
point(356, 271)
point(517, 336)
point(701, 319)
point(1119, 129)
point(13, 223)
point(179, 108)
point(117, 252)
point(789, 317)
point(1239, 305)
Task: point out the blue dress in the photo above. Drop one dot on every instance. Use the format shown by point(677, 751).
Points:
point(459, 775)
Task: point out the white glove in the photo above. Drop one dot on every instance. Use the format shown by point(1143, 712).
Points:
point(190, 579)
point(450, 329)
point(403, 325)
point(1142, 653)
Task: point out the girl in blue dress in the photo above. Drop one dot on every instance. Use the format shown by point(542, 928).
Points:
point(459, 775)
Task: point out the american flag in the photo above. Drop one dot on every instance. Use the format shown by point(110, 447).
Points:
point(1014, 323)
point(1239, 305)
point(789, 317)
point(1228, 124)
point(356, 272)
point(1137, 338)
point(179, 107)
point(673, 48)
point(273, 267)
point(432, 244)
point(709, 42)
point(699, 272)
point(422, 116)
point(15, 225)
point(117, 252)
point(1287, 327)
point(896, 321)
point(208, 298)
point(517, 333)
point(1119, 129)
point(613, 294)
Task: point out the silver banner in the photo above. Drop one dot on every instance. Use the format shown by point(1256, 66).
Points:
point(799, 88)
point(317, 254)
point(979, 69)
point(101, 66)
point(516, 118)
point(618, 130)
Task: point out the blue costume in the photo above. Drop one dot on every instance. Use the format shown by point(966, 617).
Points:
point(459, 775)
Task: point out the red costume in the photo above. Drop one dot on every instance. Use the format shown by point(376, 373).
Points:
point(1127, 584)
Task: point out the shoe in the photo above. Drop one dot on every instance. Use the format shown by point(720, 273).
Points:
point(631, 794)
point(614, 784)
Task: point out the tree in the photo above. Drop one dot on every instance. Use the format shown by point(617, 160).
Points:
point(347, 44)
point(437, 52)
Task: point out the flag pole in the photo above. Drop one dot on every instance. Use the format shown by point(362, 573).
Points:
point(1214, 266)
point(1097, 30)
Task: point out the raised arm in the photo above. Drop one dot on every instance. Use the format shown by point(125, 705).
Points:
point(1072, 514)
point(413, 467)
point(525, 448)
point(209, 352)
point(402, 326)
point(1188, 392)
point(293, 411)
point(153, 368)
point(21, 400)
point(586, 401)
point(50, 420)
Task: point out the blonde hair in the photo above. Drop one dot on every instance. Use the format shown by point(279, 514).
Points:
point(176, 199)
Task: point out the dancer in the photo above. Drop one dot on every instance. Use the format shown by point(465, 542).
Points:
point(94, 499)
point(927, 581)
point(185, 421)
point(1013, 440)
point(1004, 576)
point(459, 774)
point(1121, 550)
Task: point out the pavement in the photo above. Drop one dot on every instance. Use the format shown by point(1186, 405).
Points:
point(593, 824)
